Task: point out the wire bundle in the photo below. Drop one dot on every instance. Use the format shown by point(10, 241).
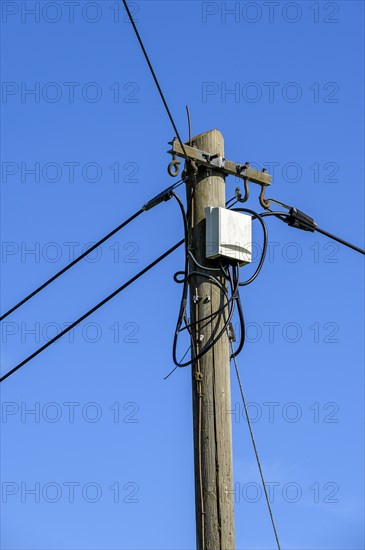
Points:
point(231, 274)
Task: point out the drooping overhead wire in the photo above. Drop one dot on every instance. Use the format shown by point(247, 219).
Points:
point(255, 449)
point(164, 195)
point(71, 264)
point(189, 123)
point(299, 220)
point(339, 240)
point(257, 216)
point(155, 78)
point(92, 310)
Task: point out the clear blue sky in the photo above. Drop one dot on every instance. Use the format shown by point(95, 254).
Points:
point(96, 134)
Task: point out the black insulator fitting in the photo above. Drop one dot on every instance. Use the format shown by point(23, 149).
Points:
point(298, 219)
point(161, 197)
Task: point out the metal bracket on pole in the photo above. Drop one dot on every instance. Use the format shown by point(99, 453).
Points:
point(215, 162)
point(227, 167)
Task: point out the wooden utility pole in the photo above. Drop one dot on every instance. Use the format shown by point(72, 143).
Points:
point(210, 374)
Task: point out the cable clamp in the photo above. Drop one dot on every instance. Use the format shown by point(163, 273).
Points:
point(298, 219)
point(215, 160)
point(198, 376)
point(161, 197)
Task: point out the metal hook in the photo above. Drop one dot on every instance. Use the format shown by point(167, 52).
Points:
point(247, 192)
point(174, 167)
point(264, 203)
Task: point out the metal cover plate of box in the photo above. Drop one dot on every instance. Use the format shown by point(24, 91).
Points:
point(228, 235)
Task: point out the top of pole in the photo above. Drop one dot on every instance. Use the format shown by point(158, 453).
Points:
point(213, 141)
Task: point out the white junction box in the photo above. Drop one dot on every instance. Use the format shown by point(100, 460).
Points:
point(228, 235)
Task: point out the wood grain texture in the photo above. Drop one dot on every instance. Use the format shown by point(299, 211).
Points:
point(211, 395)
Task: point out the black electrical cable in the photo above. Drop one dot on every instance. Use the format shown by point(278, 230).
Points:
point(92, 310)
point(212, 343)
point(256, 451)
point(175, 368)
point(255, 215)
point(187, 326)
point(184, 295)
point(164, 195)
point(183, 303)
point(74, 262)
point(242, 323)
point(239, 304)
point(299, 220)
point(182, 311)
point(187, 159)
point(339, 240)
point(271, 213)
point(233, 280)
point(287, 217)
point(185, 219)
point(284, 217)
point(235, 298)
point(210, 317)
point(155, 78)
point(231, 200)
point(234, 284)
